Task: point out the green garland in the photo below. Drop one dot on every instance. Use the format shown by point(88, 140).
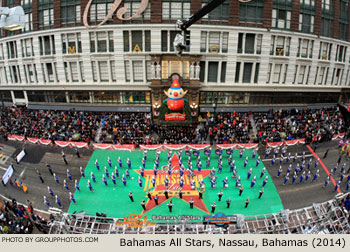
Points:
point(164, 109)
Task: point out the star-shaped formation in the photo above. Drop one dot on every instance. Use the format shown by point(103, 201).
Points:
point(174, 186)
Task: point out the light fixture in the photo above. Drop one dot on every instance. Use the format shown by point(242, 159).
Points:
point(12, 19)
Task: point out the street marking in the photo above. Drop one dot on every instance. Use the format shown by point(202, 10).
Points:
point(2, 168)
point(324, 167)
point(21, 175)
point(269, 159)
point(301, 188)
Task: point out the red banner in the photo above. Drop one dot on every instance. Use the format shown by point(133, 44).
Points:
point(274, 144)
point(151, 147)
point(198, 146)
point(103, 146)
point(80, 145)
point(128, 147)
point(62, 144)
point(33, 140)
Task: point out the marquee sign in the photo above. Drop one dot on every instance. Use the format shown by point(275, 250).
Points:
point(120, 13)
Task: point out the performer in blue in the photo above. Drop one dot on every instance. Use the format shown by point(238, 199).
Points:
point(127, 174)
point(201, 184)
point(213, 182)
point(316, 164)
point(166, 181)
point(288, 158)
point(142, 172)
point(145, 155)
point(120, 163)
point(143, 163)
point(69, 175)
point(303, 156)
point(229, 159)
point(140, 182)
point(342, 175)
point(252, 184)
point(308, 175)
point(153, 181)
point(238, 181)
point(220, 167)
point(50, 191)
point(257, 162)
point(181, 182)
point(241, 152)
point(286, 178)
point(302, 177)
point(279, 171)
point(294, 178)
point(56, 178)
point(46, 201)
point(104, 180)
point(90, 186)
point(128, 162)
point(199, 167)
point(317, 174)
point(326, 182)
point(58, 201)
point(93, 177)
point(97, 165)
point(343, 168)
point(124, 180)
point(109, 162)
point(65, 185)
point(232, 165)
point(297, 168)
point(82, 172)
point(281, 160)
point(106, 172)
point(193, 184)
point(155, 171)
point(302, 166)
point(208, 162)
point(249, 173)
point(156, 163)
point(295, 158)
point(275, 152)
point(265, 181)
point(273, 161)
point(116, 171)
point(71, 197)
point(267, 152)
point(289, 168)
point(283, 153)
point(254, 154)
point(245, 162)
point(113, 178)
point(309, 164)
point(225, 183)
point(212, 172)
point(337, 186)
point(76, 185)
point(262, 172)
point(347, 186)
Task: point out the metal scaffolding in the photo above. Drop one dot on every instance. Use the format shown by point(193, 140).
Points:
point(321, 218)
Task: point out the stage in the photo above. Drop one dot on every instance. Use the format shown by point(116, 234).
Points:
point(114, 200)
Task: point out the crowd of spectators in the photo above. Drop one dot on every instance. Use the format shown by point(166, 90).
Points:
point(138, 128)
point(312, 124)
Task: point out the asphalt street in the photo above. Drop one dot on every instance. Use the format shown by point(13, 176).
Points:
point(293, 196)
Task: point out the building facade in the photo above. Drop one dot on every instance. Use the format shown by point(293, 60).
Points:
point(242, 54)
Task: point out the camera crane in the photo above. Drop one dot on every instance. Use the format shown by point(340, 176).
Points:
point(181, 42)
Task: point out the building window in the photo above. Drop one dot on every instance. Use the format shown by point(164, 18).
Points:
point(138, 70)
point(281, 19)
point(175, 66)
point(337, 76)
point(343, 20)
point(103, 41)
point(325, 51)
point(27, 47)
point(79, 97)
point(305, 47)
point(306, 23)
point(127, 70)
point(49, 70)
point(251, 12)
point(103, 70)
point(213, 39)
point(99, 10)
point(301, 74)
point(213, 71)
point(133, 6)
point(280, 46)
point(47, 45)
point(175, 9)
point(46, 17)
point(12, 50)
point(140, 41)
point(167, 38)
point(223, 72)
point(249, 43)
point(27, 7)
point(277, 73)
point(134, 97)
point(326, 27)
point(71, 43)
point(220, 13)
point(327, 5)
point(70, 11)
point(327, 18)
point(341, 53)
point(249, 73)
